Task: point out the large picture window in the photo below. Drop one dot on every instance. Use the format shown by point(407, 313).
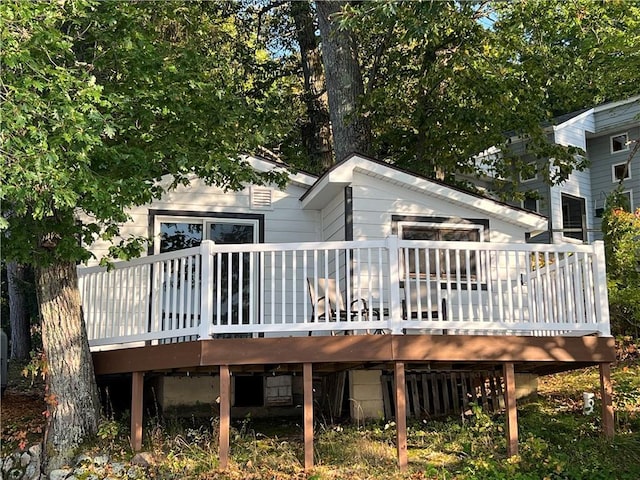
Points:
point(436, 263)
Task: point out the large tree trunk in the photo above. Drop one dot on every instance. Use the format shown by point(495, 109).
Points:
point(316, 133)
point(351, 131)
point(18, 312)
point(72, 396)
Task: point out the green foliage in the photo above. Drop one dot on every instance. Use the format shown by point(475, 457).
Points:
point(446, 80)
point(103, 100)
point(621, 230)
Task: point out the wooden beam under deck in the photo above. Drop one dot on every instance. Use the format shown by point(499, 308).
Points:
point(225, 416)
point(563, 353)
point(308, 415)
point(400, 390)
point(511, 411)
point(606, 394)
point(137, 388)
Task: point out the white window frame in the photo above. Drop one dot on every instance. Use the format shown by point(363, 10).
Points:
point(626, 143)
point(614, 179)
point(566, 235)
point(444, 226)
point(205, 221)
point(535, 175)
point(630, 192)
point(537, 200)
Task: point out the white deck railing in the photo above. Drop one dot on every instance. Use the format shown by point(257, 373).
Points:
point(389, 286)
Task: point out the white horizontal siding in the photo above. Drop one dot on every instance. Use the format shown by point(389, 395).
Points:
point(333, 220)
point(375, 201)
point(286, 222)
point(572, 132)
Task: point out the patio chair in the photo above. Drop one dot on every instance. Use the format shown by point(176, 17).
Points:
point(329, 305)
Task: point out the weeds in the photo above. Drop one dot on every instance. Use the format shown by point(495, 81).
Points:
point(556, 442)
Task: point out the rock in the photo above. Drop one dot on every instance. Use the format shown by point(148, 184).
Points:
point(143, 459)
point(82, 459)
point(8, 464)
point(101, 459)
point(117, 468)
point(25, 459)
point(33, 470)
point(59, 474)
point(15, 474)
point(35, 450)
point(134, 473)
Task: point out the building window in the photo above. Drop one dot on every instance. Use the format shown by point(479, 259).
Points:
point(573, 217)
point(626, 198)
point(620, 171)
point(531, 203)
point(529, 173)
point(620, 142)
point(437, 261)
point(179, 232)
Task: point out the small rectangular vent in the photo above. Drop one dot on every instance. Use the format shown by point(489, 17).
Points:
point(261, 198)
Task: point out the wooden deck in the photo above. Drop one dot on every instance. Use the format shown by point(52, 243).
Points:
point(387, 304)
point(394, 353)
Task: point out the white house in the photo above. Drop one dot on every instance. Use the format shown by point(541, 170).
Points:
point(366, 268)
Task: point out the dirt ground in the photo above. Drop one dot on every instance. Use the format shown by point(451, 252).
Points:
point(22, 408)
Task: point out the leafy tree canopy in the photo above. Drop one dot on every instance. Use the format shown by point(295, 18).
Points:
point(446, 80)
point(101, 99)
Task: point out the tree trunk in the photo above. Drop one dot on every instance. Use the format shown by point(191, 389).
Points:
point(72, 396)
point(351, 130)
point(18, 312)
point(316, 133)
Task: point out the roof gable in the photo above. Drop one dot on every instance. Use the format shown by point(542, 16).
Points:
point(329, 185)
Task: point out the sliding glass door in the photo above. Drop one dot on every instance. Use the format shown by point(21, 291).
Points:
point(234, 281)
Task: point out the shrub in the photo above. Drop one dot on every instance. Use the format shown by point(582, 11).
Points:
point(621, 230)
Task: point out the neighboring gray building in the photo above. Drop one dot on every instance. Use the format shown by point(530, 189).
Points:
point(607, 133)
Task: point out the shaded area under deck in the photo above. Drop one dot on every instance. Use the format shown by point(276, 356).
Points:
point(512, 354)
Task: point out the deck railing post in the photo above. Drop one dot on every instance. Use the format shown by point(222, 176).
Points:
point(206, 289)
point(395, 307)
point(600, 287)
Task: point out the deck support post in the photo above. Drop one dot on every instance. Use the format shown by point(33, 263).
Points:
point(401, 414)
point(510, 409)
point(307, 378)
point(225, 415)
point(606, 393)
point(137, 388)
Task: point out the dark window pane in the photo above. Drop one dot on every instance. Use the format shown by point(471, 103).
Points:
point(530, 204)
point(621, 172)
point(231, 265)
point(573, 213)
point(417, 232)
point(619, 143)
point(176, 236)
point(230, 233)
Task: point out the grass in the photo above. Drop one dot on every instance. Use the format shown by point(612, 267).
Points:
point(556, 442)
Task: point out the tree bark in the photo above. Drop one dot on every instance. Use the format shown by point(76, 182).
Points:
point(316, 133)
point(73, 408)
point(345, 88)
point(18, 312)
